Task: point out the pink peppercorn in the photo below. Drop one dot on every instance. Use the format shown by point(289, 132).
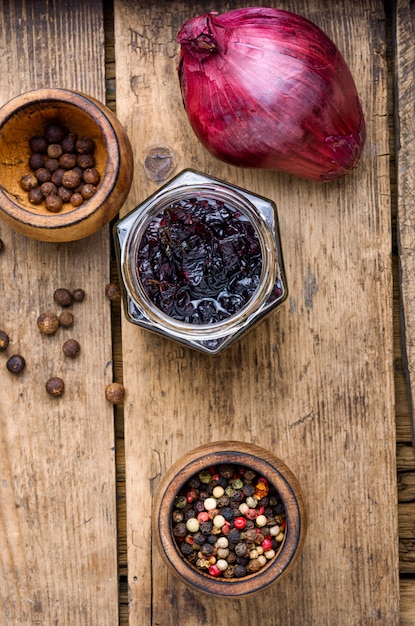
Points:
point(240, 523)
point(203, 516)
point(267, 543)
point(214, 571)
point(191, 495)
point(251, 514)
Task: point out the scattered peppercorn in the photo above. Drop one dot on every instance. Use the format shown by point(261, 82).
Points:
point(115, 393)
point(15, 364)
point(66, 318)
point(78, 295)
point(71, 348)
point(212, 529)
point(113, 292)
point(59, 160)
point(48, 323)
point(4, 340)
point(62, 296)
point(55, 386)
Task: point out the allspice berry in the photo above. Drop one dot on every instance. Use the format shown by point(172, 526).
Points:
point(115, 393)
point(35, 196)
point(53, 203)
point(4, 340)
point(62, 296)
point(66, 318)
point(38, 144)
point(54, 132)
point(15, 364)
point(71, 348)
point(48, 323)
point(55, 386)
point(113, 292)
point(28, 182)
point(78, 295)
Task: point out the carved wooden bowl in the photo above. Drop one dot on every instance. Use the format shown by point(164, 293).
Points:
point(26, 116)
point(264, 464)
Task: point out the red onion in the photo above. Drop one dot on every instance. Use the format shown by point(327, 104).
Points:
point(267, 88)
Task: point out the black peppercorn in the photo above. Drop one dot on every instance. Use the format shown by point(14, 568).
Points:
point(55, 386)
point(71, 348)
point(4, 340)
point(15, 364)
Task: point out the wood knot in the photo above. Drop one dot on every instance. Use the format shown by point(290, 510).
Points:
point(159, 163)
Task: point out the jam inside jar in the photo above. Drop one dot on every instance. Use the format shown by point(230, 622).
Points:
point(200, 261)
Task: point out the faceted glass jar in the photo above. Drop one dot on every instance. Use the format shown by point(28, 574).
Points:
point(270, 287)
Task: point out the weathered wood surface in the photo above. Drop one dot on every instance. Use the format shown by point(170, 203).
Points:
point(314, 382)
point(58, 539)
point(405, 154)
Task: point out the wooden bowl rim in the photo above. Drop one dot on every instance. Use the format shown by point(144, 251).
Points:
point(101, 116)
point(279, 475)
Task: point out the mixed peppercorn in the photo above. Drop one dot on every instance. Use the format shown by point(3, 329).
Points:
point(62, 169)
point(200, 260)
point(228, 521)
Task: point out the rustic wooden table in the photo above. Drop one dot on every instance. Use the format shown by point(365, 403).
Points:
point(321, 383)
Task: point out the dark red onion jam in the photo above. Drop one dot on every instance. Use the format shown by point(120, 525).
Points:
point(199, 260)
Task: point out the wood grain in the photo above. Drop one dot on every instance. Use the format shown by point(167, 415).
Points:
point(405, 98)
point(313, 383)
point(58, 542)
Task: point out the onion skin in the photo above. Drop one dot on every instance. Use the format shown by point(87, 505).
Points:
point(266, 88)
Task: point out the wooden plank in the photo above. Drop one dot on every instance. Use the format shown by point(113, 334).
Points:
point(58, 542)
point(407, 588)
point(313, 383)
point(405, 98)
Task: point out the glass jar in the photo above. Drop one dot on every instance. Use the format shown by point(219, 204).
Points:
point(256, 290)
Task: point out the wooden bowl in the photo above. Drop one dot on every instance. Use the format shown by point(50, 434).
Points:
point(263, 463)
point(26, 116)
